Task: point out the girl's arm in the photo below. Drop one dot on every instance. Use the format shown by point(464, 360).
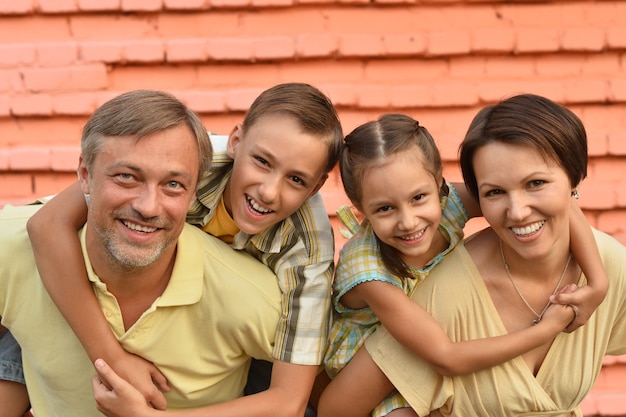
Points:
point(53, 234)
point(587, 298)
point(413, 327)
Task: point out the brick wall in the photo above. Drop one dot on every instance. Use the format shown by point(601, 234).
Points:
point(437, 60)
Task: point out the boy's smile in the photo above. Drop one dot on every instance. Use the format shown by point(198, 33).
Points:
point(277, 167)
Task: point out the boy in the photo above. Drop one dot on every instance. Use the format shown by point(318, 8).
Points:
point(261, 196)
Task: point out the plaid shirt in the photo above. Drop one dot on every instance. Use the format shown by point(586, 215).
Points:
point(300, 251)
point(360, 261)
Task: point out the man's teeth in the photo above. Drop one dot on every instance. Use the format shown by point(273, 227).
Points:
point(528, 230)
point(138, 228)
point(256, 207)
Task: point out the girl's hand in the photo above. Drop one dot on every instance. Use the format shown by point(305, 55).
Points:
point(584, 300)
point(114, 396)
point(145, 377)
point(559, 315)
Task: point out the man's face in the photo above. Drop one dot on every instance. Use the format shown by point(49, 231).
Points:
point(140, 191)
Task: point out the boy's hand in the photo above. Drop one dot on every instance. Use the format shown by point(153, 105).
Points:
point(559, 315)
point(114, 396)
point(584, 300)
point(145, 377)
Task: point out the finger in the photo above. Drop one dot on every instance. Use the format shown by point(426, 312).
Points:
point(567, 298)
point(99, 389)
point(159, 380)
point(157, 400)
point(107, 375)
point(573, 324)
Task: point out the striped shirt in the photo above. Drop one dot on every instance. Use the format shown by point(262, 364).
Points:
point(300, 251)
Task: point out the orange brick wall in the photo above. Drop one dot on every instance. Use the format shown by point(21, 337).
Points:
point(437, 60)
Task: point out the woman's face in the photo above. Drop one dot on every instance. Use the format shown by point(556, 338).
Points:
point(401, 201)
point(524, 197)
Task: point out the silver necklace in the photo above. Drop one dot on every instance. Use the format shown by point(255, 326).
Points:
point(558, 285)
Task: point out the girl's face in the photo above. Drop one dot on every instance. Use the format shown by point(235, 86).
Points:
point(525, 199)
point(401, 201)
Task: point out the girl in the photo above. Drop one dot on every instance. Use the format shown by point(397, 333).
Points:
point(392, 173)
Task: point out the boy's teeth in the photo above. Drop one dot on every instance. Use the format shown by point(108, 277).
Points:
point(256, 207)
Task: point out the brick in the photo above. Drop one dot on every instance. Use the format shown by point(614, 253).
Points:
point(31, 105)
point(279, 47)
point(99, 5)
point(361, 45)
point(64, 158)
point(101, 51)
point(230, 49)
point(374, 96)
point(129, 28)
point(316, 45)
point(411, 96)
point(583, 39)
point(586, 90)
point(509, 68)
point(17, 54)
point(15, 185)
point(11, 81)
point(601, 64)
point(609, 169)
point(5, 108)
point(241, 99)
point(616, 143)
point(617, 89)
point(145, 50)
point(142, 5)
point(28, 159)
point(597, 196)
point(56, 6)
point(4, 160)
point(57, 53)
point(342, 95)
point(185, 50)
point(401, 45)
point(616, 37)
point(406, 70)
point(492, 40)
point(612, 221)
point(537, 40)
point(205, 101)
point(467, 67)
point(83, 77)
point(455, 94)
point(185, 4)
point(16, 7)
point(559, 66)
point(448, 43)
point(156, 76)
point(266, 3)
point(46, 184)
point(74, 104)
point(30, 29)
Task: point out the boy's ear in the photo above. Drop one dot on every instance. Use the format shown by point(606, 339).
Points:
point(83, 176)
point(236, 135)
point(319, 185)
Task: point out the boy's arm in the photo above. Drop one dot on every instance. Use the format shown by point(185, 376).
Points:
point(287, 396)
point(53, 234)
point(413, 327)
point(587, 298)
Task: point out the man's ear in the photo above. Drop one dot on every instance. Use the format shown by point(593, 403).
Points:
point(235, 137)
point(83, 176)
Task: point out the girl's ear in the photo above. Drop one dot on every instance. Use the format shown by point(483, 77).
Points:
point(235, 137)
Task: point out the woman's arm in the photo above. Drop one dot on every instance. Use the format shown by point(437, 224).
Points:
point(53, 234)
point(413, 327)
point(587, 298)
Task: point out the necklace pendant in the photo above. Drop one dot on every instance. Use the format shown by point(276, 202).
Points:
point(536, 321)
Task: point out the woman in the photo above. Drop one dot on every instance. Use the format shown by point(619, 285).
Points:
point(523, 159)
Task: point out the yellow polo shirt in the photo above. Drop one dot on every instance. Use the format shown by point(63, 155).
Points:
point(220, 308)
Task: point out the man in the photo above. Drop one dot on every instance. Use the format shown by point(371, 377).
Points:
point(171, 293)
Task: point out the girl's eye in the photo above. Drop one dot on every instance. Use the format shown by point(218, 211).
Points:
point(384, 209)
point(262, 161)
point(418, 197)
point(297, 180)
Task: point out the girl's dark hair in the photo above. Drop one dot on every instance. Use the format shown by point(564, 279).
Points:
point(370, 145)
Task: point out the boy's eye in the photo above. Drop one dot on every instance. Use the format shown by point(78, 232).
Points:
point(384, 209)
point(262, 160)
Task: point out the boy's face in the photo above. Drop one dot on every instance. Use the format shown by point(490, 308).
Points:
point(277, 167)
